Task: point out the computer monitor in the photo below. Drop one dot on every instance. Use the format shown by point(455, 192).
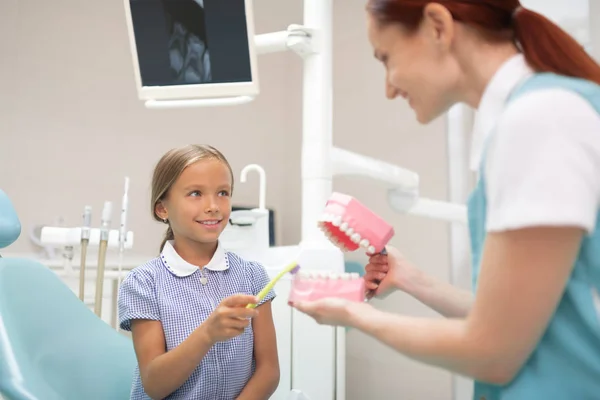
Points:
point(192, 49)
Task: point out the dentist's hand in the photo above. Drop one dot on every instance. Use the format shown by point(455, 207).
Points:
point(386, 273)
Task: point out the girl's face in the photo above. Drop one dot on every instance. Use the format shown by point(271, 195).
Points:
point(419, 65)
point(198, 205)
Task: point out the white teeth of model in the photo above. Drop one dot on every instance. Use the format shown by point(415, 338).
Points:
point(344, 227)
point(364, 243)
point(336, 221)
point(355, 238)
point(349, 231)
point(371, 249)
point(303, 274)
point(346, 276)
point(354, 275)
point(333, 275)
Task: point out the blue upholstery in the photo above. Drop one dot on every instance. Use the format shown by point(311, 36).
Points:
point(52, 347)
point(353, 266)
point(10, 227)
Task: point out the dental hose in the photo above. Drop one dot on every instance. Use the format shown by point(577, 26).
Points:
point(104, 232)
point(85, 240)
point(122, 240)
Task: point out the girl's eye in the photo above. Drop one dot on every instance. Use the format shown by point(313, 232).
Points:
point(194, 193)
point(224, 193)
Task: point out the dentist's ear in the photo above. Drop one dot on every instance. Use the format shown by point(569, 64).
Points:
point(439, 25)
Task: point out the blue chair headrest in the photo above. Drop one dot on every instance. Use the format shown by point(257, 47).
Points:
point(10, 226)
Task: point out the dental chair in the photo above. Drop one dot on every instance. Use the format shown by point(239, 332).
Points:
point(52, 347)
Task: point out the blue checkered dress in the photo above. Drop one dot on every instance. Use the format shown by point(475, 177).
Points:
point(169, 289)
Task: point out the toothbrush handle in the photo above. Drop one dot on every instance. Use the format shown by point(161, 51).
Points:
point(261, 295)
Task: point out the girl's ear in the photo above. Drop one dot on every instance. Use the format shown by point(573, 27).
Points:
point(161, 211)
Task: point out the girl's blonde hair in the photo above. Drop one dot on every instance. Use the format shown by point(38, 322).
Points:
point(170, 167)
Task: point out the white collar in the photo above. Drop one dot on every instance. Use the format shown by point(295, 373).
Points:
point(505, 80)
point(179, 267)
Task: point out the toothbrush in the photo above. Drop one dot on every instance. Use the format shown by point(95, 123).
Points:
point(292, 268)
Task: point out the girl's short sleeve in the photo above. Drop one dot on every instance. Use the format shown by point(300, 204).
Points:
point(137, 299)
point(258, 280)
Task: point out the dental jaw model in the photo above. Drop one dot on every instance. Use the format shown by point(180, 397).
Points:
point(350, 225)
point(316, 285)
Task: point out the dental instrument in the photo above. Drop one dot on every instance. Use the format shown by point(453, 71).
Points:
point(122, 240)
point(291, 268)
point(105, 224)
point(85, 240)
point(122, 228)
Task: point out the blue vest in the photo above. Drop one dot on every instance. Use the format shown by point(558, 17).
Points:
point(565, 365)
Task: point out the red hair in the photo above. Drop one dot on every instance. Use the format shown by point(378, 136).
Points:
point(546, 47)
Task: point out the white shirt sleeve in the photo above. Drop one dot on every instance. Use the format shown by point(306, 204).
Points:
point(543, 164)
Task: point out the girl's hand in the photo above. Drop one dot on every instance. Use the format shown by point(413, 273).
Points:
point(230, 318)
point(388, 272)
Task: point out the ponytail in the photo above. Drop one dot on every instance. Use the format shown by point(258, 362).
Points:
point(168, 236)
point(547, 48)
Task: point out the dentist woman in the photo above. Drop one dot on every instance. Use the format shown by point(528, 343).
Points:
point(532, 329)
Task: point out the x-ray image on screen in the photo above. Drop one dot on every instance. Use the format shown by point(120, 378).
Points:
point(190, 42)
point(189, 55)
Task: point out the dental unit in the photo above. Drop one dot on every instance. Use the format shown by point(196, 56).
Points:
point(86, 238)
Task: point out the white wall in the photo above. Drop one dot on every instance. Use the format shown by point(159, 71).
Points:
point(71, 128)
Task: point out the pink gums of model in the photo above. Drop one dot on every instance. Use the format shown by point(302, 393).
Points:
point(310, 286)
point(350, 225)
